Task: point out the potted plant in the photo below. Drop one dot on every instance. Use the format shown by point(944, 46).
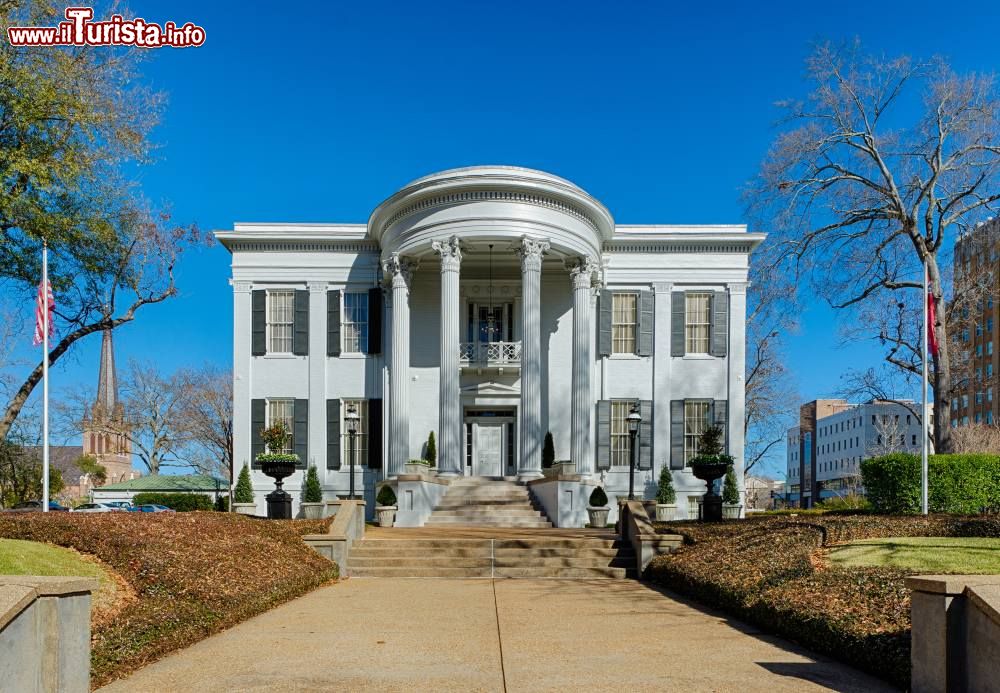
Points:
point(243, 501)
point(417, 466)
point(666, 497)
point(731, 505)
point(598, 508)
point(432, 451)
point(385, 506)
point(709, 464)
point(312, 496)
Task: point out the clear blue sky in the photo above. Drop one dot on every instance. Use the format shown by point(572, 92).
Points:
point(317, 112)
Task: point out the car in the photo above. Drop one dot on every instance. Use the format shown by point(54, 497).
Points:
point(124, 506)
point(35, 506)
point(96, 508)
point(153, 508)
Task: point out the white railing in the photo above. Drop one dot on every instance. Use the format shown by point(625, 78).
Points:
point(490, 353)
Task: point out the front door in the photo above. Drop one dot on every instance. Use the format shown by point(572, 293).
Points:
point(488, 447)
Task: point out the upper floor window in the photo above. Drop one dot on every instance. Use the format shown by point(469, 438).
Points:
point(280, 321)
point(624, 317)
point(696, 421)
point(697, 322)
point(355, 322)
point(282, 410)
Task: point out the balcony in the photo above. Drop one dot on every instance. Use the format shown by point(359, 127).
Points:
point(489, 355)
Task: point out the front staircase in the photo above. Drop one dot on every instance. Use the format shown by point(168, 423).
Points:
point(477, 501)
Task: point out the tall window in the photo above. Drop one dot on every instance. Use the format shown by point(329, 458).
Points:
point(280, 321)
point(697, 322)
point(355, 322)
point(623, 321)
point(620, 442)
point(360, 438)
point(696, 421)
point(282, 410)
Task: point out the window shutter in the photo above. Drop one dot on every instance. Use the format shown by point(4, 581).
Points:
point(604, 323)
point(333, 323)
point(604, 434)
point(333, 434)
point(720, 323)
point(677, 433)
point(375, 321)
point(645, 459)
point(258, 323)
point(720, 417)
point(375, 434)
point(300, 327)
point(677, 323)
point(645, 340)
point(300, 431)
point(257, 419)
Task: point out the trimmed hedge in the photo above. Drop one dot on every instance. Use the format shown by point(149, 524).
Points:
point(181, 502)
point(964, 484)
point(769, 571)
point(194, 574)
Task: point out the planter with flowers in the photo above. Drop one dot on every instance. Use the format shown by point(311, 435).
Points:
point(279, 466)
point(709, 465)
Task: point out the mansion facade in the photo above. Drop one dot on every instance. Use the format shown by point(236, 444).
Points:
point(491, 306)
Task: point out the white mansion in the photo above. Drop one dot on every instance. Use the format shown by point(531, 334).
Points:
point(490, 305)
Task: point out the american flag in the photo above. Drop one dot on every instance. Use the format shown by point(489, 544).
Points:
point(44, 297)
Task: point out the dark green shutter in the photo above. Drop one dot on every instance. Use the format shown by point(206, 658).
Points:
point(333, 434)
point(604, 434)
point(375, 434)
point(645, 340)
point(720, 418)
point(300, 431)
point(258, 410)
point(374, 321)
point(258, 322)
point(677, 323)
point(300, 328)
point(604, 323)
point(645, 452)
point(720, 323)
point(677, 434)
point(333, 323)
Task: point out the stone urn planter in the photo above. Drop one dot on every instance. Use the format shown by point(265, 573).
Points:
point(731, 511)
point(312, 511)
point(385, 515)
point(245, 508)
point(710, 472)
point(665, 512)
point(598, 516)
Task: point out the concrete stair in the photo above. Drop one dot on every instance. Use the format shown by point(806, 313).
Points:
point(487, 502)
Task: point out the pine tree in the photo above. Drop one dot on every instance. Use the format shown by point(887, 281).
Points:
point(548, 452)
point(432, 452)
point(313, 492)
point(244, 489)
point(730, 489)
point(665, 494)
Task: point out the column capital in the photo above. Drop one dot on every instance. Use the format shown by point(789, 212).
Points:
point(316, 287)
point(663, 287)
point(737, 287)
point(450, 252)
point(582, 271)
point(530, 251)
point(241, 287)
point(399, 269)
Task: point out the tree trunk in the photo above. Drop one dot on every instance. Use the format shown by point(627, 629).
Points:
point(942, 366)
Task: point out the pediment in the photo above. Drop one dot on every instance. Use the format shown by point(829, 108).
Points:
point(490, 388)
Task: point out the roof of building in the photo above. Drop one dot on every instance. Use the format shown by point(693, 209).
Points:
point(169, 482)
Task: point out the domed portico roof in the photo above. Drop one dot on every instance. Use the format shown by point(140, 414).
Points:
point(489, 204)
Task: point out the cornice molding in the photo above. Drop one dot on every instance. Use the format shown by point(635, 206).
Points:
point(263, 246)
point(678, 246)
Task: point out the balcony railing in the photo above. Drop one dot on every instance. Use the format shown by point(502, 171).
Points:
point(490, 353)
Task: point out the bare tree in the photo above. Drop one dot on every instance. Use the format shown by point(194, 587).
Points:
point(982, 438)
point(858, 196)
point(890, 437)
point(206, 419)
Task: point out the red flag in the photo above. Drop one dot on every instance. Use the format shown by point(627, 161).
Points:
point(44, 299)
point(932, 344)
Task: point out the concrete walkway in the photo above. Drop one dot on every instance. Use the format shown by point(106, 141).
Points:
point(485, 635)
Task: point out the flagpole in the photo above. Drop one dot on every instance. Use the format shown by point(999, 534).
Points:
point(45, 377)
point(924, 418)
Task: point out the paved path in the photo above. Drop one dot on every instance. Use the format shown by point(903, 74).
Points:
point(484, 635)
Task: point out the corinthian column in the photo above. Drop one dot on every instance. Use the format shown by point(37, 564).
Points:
point(530, 462)
point(581, 446)
point(400, 272)
point(449, 414)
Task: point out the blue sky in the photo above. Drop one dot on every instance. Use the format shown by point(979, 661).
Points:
point(319, 111)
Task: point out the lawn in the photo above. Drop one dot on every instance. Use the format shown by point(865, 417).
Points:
point(922, 554)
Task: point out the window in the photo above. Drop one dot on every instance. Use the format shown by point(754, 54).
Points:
point(282, 410)
point(907, 419)
point(620, 440)
point(361, 438)
point(355, 327)
point(979, 329)
point(989, 394)
point(623, 321)
point(954, 403)
point(914, 439)
point(979, 398)
point(989, 348)
point(965, 401)
point(697, 322)
point(989, 370)
point(978, 418)
point(989, 417)
point(979, 350)
point(696, 420)
point(280, 321)
point(989, 321)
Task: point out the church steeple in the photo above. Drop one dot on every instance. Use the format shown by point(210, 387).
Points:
point(105, 432)
point(107, 380)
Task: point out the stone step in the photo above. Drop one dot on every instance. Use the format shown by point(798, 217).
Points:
point(409, 571)
point(575, 573)
point(564, 562)
point(554, 552)
point(434, 561)
point(487, 510)
point(380, 552)
point(507, 522)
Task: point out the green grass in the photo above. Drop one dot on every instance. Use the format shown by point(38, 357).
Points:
point(924, 554)
point(19, 557)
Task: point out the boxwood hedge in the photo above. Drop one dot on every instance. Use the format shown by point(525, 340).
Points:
point(965, 484)
point(181, 502)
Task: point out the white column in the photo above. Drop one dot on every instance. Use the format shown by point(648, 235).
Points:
point(581, 443)
point(400, 273)
point(661, 376)
point(317, 377)
point(449, 410)
point(242, 361)
point(530, 462)
point(736, 354)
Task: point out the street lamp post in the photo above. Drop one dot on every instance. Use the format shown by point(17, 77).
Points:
point(352, 430)
point(634, 419)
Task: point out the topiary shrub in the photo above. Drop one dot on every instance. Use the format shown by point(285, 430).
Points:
point(598, 498)
point(222, 504)
point(964, 484)
point(665, 493)
point(244, 489)
point(312, 492)
point(548, 451)
point(181, 502)
point(432, 451)
point(730, 489)
point(386, 496)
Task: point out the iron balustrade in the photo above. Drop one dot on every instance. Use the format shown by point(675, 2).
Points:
point(490, 353)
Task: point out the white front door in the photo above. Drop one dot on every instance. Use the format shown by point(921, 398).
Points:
point(488, 447)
